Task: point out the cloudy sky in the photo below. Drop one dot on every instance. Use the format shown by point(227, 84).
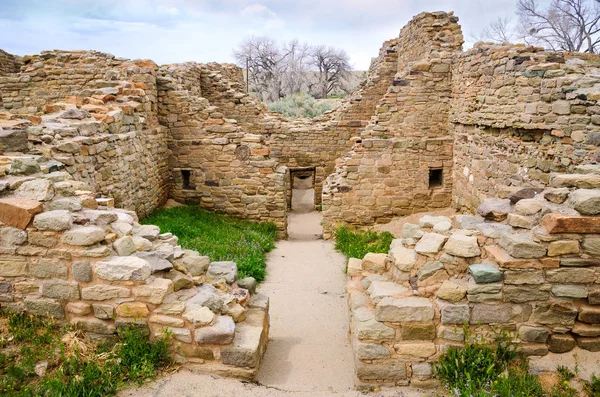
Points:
point(169, 31)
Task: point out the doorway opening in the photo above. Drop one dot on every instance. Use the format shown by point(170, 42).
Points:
point(302, 183)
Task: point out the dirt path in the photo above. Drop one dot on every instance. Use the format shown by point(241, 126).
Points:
point(308, 348)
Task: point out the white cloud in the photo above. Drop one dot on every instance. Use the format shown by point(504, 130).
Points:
point(269, 19)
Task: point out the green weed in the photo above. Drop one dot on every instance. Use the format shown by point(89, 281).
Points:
point(220, 237)
point(358, 243)
point(299, 105)
point(592, 388)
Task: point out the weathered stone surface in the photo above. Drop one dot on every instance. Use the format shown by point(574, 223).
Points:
point(526, 193)
point(586, 201)
point(18, 212)
point(563, 247)
point(499, 313)
point(71, 204)
point(571, 275)
point(483, 273)
point(249, 283)
point(133, 310)
point(463, 246)
point(60, 289)
point(44, 307)
point(561, 343)
point(390, 371)
point(493, 229)
point(495, 209)
point(53, 220)
point(377, 263)
point(555, 314)
point(530, 333)
point(82, 271)
point(12, 266)
point(196, 265)
point(36, 189)
point(583, 329)
point(149, 232)
point(24, 166)
point(10, 236)
point(411, 230)
point(590, 344)
point(404, 258)
point(522, 246)
point(589, 314)
point(573, 291)
point(13, 140)
point(245, 348)
point(225, 270)
point(591, 246)
point(431, 221)
point(451, 291)
point(556, 195)
point(155, 292)
point(559, 223)
point(104, 312)
point(429, 269)
point(94, 325)
point(124, 246)
point(353, 268)
point(381, 289)
point(404, 310)
point(416, 349)
point(455, 314)
point(199, 316)
point(78, 308)
point(48, 268)
point(220, 333)
point(370, 351)
point(469, 222)
point(524, 293)
point(157, 263)
point(166, 320)
point(502, 257)
point(417, 331)
point(530, 206)
point(142, 244)
point(102, 292)
point(456, 334)
point(581, 181)
point(519, 277)
point(430, 243)
point(180, 280)
point(83, 236)
point(123, 268)
point(367, 328)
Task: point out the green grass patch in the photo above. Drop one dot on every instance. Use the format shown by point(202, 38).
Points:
point(220, 237)
point(74, 366)
point(358, 243)
point(300, 105)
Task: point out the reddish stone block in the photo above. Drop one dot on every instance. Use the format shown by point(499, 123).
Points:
point(559, 223)
point(17, 212)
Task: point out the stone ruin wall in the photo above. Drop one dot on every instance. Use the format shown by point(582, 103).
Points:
point(113, 142)
point(520, 114)
point(387, 172)
point(9, 63)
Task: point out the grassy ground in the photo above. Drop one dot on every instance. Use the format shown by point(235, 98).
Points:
point(220, 237)
point(40, 358)
point(358, 243)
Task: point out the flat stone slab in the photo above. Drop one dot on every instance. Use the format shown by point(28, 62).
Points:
point(559, 223)
point(503, 258)
point(586, 201)
point(404, 310)
point(483, 273)
point(404, 258)
point(245, 348)
point(119, 268)
point(463, 246)
point(381, 289)
point(581, 181)
point(221, 332)
point(522, 246)
point(17, 212)
point(226, 270)
point(430, 243)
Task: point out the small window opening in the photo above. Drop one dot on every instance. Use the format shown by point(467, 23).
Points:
point(435, 177)
point(185, 175)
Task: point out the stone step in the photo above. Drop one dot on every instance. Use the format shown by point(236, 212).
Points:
point(505, 260)
point(404, 310)
point(381, 289)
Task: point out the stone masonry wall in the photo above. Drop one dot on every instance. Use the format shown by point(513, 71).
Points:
point(518, 115)
point(388, 171)
point(98, 116)
point(9, 63)
point(527, 266)
point(66, 254)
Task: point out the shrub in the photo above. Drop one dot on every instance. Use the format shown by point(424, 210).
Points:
point(299, 105)
point(220, 237)
point(592, 388)
point(358, 243)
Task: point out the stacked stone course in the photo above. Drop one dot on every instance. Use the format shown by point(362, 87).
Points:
point(527, 265)
point(9, 63)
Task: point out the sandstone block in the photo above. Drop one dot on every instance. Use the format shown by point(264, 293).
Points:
point(586, 201)
point(591, 246)
point(563, 247)
point(157, 263)
point(483, 273)
point(78, 308)
point(560, 223)
point(208, 296)
point(451, 291)
point(354, 267)
point(495, 209)
point(245, 349)
point(225, 270)
point(404, 310)
point(53, 220)
point(524, 293)
point(416, 349)
point(155, 292)
point(590, 344)
point(123, 268)
point(60, 289)
point(571, 275)
point(370, 351)
point(388, 371)
point(561, 343)
point(83, 236)
point(196, 265)
point(522, 246)
point(403, 258)
point(377, 263)
point(82, 271)
point(555, 314)
point(18, 212)
point(589, 314)
point(44, 307)
point(530, 333)
point(381, 289)
point(12, 266)
point(103, 312)
point(133, 309)
point(24, 166)
point(417, 331)
point(199, 316)
point(94, 325)
point(430, 243)
point(102, 292)
point(220, 333)
point(499, 313)
point(463, 246)
point(520, 277)
point(429, 269)
point(180, 280)
point(455, 314)
point(124, 246)
point(572, 291)
point(37, 189)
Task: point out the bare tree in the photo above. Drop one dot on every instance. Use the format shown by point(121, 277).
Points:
point(332, 66)
point(500, 30)
point(295, 66)
point(567, 25)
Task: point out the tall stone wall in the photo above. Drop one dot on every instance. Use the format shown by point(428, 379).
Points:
point(388, 171)
point(97, 115)
point(519, 114)
point(9, 63)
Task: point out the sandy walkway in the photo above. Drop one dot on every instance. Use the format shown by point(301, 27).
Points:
point(308, 348)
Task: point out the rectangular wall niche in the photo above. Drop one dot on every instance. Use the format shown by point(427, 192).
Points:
point(185, 176)
point(435, 177)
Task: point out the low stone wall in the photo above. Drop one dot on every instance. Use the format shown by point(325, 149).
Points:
point(9, 63)
point(66, 254)
point(527, 265)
